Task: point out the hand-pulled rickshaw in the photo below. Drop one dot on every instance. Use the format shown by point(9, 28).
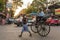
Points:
point(41, 26)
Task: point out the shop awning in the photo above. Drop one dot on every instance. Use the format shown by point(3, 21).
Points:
point(55, 6)
point(57, 11)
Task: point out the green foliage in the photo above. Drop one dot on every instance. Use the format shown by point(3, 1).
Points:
point(38, 3)
point(31, 9)
point(1, 5)
point(35, 6)
point(43, 0)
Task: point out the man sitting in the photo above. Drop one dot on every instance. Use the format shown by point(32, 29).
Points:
point(40, 16)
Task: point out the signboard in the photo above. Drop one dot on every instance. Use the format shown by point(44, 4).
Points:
point(57, 11)
point(9, 5)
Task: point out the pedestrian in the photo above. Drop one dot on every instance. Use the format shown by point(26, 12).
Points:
point(20, 20)
point(25, 26)
point(3, 21)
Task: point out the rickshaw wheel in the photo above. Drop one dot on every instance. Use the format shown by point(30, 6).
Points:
point(44, 30)
point(34, 28)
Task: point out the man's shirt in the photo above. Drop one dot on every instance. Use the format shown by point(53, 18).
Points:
point(41, 13)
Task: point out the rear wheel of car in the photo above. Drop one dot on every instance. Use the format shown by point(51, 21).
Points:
point(17, 25)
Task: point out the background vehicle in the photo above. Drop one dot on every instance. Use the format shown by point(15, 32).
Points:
point(29, 22)
point(17, 22)
point(53, 20)
point(9, 21)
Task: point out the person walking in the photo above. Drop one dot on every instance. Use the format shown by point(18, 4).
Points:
point(25, 26)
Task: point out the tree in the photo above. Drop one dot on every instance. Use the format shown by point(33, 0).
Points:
point(1, 5)
point(38, 4)
point(35, 6)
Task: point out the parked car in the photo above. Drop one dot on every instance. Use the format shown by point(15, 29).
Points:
point(9, 21)
point(53, 21)
point(32, 20)
point(17, 22)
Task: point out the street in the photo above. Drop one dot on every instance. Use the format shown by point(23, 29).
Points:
point(11, 32)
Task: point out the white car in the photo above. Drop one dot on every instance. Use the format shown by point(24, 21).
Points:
point(30, 21)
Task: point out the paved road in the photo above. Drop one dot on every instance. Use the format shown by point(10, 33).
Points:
point(11, 32)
